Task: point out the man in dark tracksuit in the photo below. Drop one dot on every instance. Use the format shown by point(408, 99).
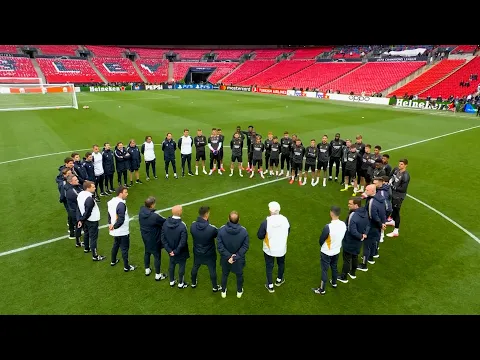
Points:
point(268, 150)
point(90, 171)
point(72, 189)
point(221, 138)
point(135, 161)
point(336, 147)
point(151, 225)
point(257, 149)
point(174, 239)
point(236, 145)
point(358, 226)
point(108, 162)
point(168, 147)
point(286, 144)
point(78, 168)
point(345, 151)
point(384, 190)
point(375, 206)
point(251, 139)
point(122, 163)
point(360, 146)
point(232, 243)
point(298, 152)
point(62, 185)
point(204, 252)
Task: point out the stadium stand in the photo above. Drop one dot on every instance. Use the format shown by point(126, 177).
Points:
point(464, 49)
point(145, 53)
point(180, 69)
point(277, 72)
point(155, 71)
point(451, 85)
point(374, 77)
point(190, 54)
point(106, 51)
point(316, 75)
point(117, 69)
point(230, 54)
point(68, 70)
point(272, 54)
point(246, 70)
point(309, 53)
point(429, 77)
point(68, 50)
point(10, 49)
point(20, 67)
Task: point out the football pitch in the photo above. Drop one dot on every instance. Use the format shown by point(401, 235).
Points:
point(430, 269)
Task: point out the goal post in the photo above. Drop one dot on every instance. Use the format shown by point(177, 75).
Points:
point(20, 97)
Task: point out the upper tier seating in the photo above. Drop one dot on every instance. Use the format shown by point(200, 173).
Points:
point(106, 51)
point(117, 69)
point(155, 71)
point(20, 67)
point(69, 50)
point(429, 77)
point(262, 54)
point(309, 53)
point(374, 77)
point(277, 72)
point(246, 70)
point(464, 49)
point(190, 54)
point(451, 85)
point(316, 75)
point(68, 70)
point(180, 69)
point(146, 53)
point(230, 54)
point(11, 49)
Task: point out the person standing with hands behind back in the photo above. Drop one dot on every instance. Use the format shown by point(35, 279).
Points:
point(148, 152)
point(174, 239)
point(330, 245)
point(232, 243)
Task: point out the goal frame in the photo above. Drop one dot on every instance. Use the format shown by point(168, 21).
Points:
point(42, 85)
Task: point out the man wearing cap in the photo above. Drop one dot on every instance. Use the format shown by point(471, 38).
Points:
point(274, 231)
point(330, 245)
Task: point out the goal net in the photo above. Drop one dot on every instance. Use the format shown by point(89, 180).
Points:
point(18, 97)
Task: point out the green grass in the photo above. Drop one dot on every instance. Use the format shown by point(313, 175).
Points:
point(430, 269)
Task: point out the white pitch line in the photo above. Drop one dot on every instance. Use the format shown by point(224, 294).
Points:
point(136, 99)
point(135, 217)
point(266, 183)
point(451, 221)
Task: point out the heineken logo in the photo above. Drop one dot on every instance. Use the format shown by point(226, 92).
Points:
point(422, 104)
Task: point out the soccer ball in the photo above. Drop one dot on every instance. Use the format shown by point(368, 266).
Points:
point(86, 107)
point(215, 152)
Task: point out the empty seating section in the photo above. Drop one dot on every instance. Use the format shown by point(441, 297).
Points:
point(17, 67)
point(269, 53)
point(10, 49)
point(69, 50)
point(464, 49)
point(68, 70)
point(230, 54)
point(146, 53)
point(248, 69)
point(222, 70)
point(429, 77)
point(451, 85)
point(155, 71)
point(277, 72)
point(309, 53)
point(190, 54)
point(106, 51)
point(316, 75)
point(116, 69)
point(374, 77)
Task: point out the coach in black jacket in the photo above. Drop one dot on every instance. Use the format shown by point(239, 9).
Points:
point(204, 252)
point(233, 243)
point(72, 189)
point(174, 239)
point(151, 225)
point(358, 226)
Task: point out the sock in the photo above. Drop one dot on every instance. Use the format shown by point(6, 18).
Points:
point(346, 186)
point(362, 189)
point(261, 173)
point(240, 171)
point(293, 178)
point(395, 230)
point(270, 286)
point(196, 168)
point(204, 168)
point(300, 179)
point(355, 189)
point(231, 171)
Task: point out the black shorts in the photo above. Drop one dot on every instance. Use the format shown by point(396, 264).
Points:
point(397, 202)
point(214, 157)
point(274, 162)
point(236, 158)
point(322, 165)
point(351, 174)
point(200, 156)
point(365, 174)
point(297, 167)
point(309, 167)
point(258, 162)
point(134, 168)
point(220, 154)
